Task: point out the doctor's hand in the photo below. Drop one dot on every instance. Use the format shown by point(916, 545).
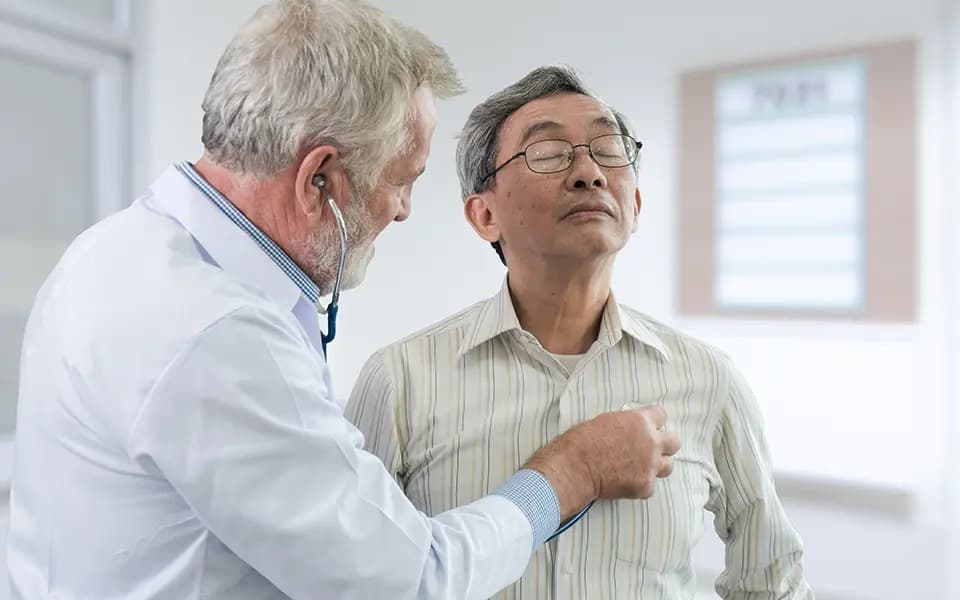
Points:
point(614, 455)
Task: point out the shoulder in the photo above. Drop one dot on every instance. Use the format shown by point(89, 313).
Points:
point(445, 333)
point(680, 345)
point(420, 350)
point(137, 288)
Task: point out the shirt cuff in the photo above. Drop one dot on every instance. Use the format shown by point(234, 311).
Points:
point(534, 496)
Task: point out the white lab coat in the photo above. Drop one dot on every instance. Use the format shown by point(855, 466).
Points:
point(177, 436)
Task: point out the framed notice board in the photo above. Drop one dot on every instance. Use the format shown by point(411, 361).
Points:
point(797, 187)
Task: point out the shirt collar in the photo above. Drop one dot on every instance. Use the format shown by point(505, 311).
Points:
point(616, 320)
point(230, 238)
point(497, 316)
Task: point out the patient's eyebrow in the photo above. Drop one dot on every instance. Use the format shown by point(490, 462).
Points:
point(601, 122)
point(539, 127)
point(606, 122)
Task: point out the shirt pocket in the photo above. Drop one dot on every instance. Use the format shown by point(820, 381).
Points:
point(659, 533)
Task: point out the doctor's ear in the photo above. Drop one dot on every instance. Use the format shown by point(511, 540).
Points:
point(320, 176)
point(320, 181)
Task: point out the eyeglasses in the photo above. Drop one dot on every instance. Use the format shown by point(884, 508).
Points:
point(553, 156)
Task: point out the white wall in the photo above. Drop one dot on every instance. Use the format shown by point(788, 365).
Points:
point(952, 225)
point(852, 403)
point(179, 45)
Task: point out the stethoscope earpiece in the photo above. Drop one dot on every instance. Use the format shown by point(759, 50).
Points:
point(320, 181)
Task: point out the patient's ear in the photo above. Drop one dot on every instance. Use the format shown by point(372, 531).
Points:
point(482, 216)
point(637, 205)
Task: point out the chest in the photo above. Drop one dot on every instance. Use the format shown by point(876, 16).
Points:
point(474, 424)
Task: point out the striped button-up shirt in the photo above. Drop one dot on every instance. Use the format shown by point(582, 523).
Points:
point(456, 408)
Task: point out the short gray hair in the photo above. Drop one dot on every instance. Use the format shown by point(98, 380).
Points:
point(480, 138)
point(304, 73)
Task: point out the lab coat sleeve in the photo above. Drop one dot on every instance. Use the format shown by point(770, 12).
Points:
point(243, 427)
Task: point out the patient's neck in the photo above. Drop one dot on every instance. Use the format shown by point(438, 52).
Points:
point(561, 305)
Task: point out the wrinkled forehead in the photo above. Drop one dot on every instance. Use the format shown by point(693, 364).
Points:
point(565, 116)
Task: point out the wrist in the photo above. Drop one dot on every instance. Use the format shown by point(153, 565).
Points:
point(565, 467)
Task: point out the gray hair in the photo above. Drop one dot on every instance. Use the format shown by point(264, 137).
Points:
point(305, 73)
point(480, 138)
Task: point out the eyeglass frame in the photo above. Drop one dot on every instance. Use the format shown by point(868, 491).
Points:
point(523, 153)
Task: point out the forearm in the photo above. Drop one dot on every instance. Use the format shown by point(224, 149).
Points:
point(565, 467)
point(782, 579)
point(476, 550)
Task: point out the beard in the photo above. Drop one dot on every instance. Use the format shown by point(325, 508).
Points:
point(322, 249)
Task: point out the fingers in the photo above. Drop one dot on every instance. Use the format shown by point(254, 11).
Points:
point(656, 414)
point(669, 443)
point(630, 451)
point(666, 467)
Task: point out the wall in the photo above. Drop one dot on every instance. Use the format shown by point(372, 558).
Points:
point(952, 226)
point(857, 405)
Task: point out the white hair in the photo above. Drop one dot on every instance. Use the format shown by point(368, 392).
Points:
point(305, 73)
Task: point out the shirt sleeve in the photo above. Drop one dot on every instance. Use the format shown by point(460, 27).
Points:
point(243, 427)
point(764, 554)
point(372, 409)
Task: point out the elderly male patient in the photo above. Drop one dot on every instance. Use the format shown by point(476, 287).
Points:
point(548, 174)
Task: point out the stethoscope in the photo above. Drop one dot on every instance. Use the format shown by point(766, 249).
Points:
point(331, 310)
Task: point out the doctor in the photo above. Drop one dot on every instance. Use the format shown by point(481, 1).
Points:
point(177, 435)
